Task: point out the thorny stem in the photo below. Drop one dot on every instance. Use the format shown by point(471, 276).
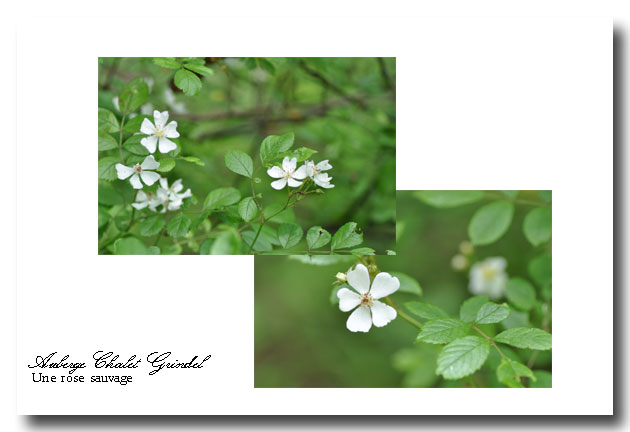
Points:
point(402, 314)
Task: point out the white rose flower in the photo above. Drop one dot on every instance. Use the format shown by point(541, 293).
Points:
point(159, 133)
point(488, 277)
point(370, 310)
point(170, 197)
point(287, 174)
point(315, 172)
point(146, 199)
point(139, 171)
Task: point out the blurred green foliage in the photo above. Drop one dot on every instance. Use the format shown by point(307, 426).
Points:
point(342, 107)
point(300, 336)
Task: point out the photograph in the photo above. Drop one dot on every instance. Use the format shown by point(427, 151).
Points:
point(464, 300)
point(247, 156)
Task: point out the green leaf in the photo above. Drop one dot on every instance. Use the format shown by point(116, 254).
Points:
point(247, 209)
point(187, 82)
point(462, 357)
point(540, 269)
point(490, 222)
point(129, 246)
point(543, 379)
point(449, 198)
point(107, 168)
point(166, 164)
point(167, 62)
point(426, 310)
point(537, 226)
point(194, 160)
point(133, 124)
point(221, 197)
point(443, 330)
point(346, 236)
point(153, 250)
point(226, 243)
point(200, 69)
point(133, 95)
point(521, 293)
point(132, 145)
point(273, 214)
point(239, 162)
point(206, 247)
point(261, 244)
point(301, 154)
point(103, 216)
point(509, 372)
point(407, 283)
point(511, 194)
point(107, 121)
point(390, 252)
point(106, 141)
point(109, 196)
point(363, 251)
point(545, 195)
point(289, 234)
point(523, 337)
point(152, 225)
point(178, 226)
point(491, 313)
point(317, 237)
point(273, 145)
point(470, 308)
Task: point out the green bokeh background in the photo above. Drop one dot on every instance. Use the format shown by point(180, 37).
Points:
point(301, 339)
point(342, 107)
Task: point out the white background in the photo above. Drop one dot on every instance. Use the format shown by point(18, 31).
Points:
point(472, 93)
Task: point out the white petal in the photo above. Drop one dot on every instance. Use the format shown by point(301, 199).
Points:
point(275, 172)
point(323, 165)
point(141, 196)
point(294, 183)
point(164, 183)
point(382, 314)
point(360, 320)
point(149, 177)
point(150, 143)
point(289, 164)
point(135, 181)
point(170, 130)
point(348, 300)
point(149, 163)
point(140, 205)
point(166, 145)
point(279, 184)
point(177, 185)
point(123, 171)
point(383, 285)
point(174, 205)
point(160, 118)
point(300, 173)
point(186, 194)
point(147, 127)
point(359, 278)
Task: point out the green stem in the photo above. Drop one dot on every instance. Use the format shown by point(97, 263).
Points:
point(402, 314)
point(474, 327)
point(120, 137)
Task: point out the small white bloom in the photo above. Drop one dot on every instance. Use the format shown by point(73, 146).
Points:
point(170, 197)
point(140, 171)
point(370, 310)
point(315, 172)
point(159, 133)
point(341, 277)
point(459, 262)
point(287, 174)
point(488, 277)
point(146, 199)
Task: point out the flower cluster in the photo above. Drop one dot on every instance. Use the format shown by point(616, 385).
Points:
point(289, 174)
point(158, 134)
point(488, 277)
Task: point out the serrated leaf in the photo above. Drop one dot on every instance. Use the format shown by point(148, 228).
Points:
point(462, 357)
point(540, 269)
point(107, 168)
point(107, 121)
point(490, 222)
point(520, 293)
point(510, 371)
point(132, 145)
point(408, 284)
point(106, 141)
point(444, 330)
point(449, 198)
point(301, 154)
point(426, 310)
point(199, 68)
point(273, 145)
point(491, 313)
point(470, 308)
point(289, 234)
point(167, 62)
point(346, 236)
point(247, 209)
point(226, 243)
point(363, 251)
point(261, 243)
point(220, 198)
point(522, 337)
point(166, 164)
point(178, 226)
point(317, 237)
point(239, 162)
point(133, 95)
point(537, 225)
point(187, 82)
point(152, 225)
